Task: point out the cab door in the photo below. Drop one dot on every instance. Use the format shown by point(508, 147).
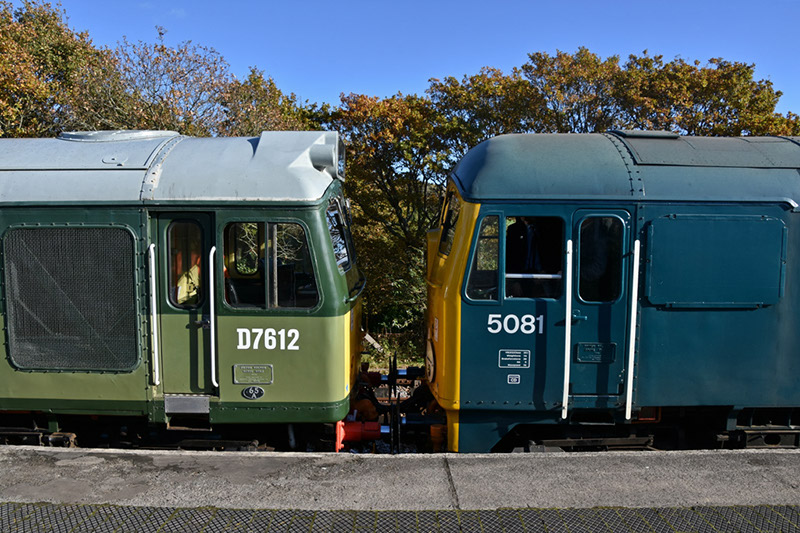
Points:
point(184, 304)
point(513, 311)
point(599, 307)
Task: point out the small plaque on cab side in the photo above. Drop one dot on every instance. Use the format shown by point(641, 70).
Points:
point(515, 359)
point(252, 374)
point(253, 393)
point(597, 352)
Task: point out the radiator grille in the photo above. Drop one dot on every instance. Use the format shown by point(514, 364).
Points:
point(70, 298)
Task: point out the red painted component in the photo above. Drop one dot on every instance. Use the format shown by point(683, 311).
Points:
point(356, 432)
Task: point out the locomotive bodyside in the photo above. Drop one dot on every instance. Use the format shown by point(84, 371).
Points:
point(189, 282)
point(610, 285)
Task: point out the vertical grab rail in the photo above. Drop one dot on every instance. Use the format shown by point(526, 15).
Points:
point(567, 331)
point(632, 334)
point(154, 313)
point(212, 316)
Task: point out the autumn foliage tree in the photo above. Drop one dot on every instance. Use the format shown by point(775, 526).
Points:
point(481, 106)
point(719, 98)
point(176, 88)
point(52, 78)
point(400, 148)
point(394, 175)
point(256, 104)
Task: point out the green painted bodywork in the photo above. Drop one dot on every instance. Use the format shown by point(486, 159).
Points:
point(310, 384)
point(86, 391)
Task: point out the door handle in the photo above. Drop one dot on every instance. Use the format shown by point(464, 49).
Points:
point(576, 315)
point(205, 323)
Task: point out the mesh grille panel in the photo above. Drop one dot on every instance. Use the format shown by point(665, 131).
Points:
point(70, 298)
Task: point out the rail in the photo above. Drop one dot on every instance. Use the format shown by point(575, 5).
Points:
point(632, 333)
point(567, 331)
point(533, 276)
point(212, 316)
point(154, 313)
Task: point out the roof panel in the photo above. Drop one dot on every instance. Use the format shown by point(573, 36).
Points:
point(605, 166)
point(527, 166)
point(277, 166)
point(69, 186)
point(70, 152)
point(164, 167)
point(746, 152)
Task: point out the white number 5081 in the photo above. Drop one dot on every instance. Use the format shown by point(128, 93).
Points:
point(512, 324)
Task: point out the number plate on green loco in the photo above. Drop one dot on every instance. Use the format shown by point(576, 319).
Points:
point(252, 374)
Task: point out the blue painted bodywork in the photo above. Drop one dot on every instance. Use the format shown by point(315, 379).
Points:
point(719, 275)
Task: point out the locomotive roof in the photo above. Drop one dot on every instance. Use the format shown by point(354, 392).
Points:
point(165, 167)
point(631, 165)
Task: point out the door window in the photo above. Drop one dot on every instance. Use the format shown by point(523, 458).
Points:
point(600, 277)
point(185, 240)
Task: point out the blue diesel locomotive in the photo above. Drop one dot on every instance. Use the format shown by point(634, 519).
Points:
point(616, 289)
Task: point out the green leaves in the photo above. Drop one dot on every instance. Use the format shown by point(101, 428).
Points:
point(51, 78)
point(256, 104)
point(400, 148)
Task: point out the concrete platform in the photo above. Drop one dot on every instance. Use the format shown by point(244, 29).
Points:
point(46, 489)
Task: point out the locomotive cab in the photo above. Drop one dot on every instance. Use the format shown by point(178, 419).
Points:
point(585, 288)
point(190, 283)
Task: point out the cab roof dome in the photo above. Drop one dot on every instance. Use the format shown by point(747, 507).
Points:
point(166, 167)
point(632, 166)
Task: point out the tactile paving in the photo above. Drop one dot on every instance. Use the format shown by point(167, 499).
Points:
point(50, 518)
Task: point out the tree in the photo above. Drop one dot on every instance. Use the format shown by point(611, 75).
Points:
point(178, 88)
point(575, 91)
point(482, 106)
point(720, 98)
point(256, 104)
point(52, 78)
point(396, 166)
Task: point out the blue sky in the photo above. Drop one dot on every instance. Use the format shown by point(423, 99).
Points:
point(319, 49)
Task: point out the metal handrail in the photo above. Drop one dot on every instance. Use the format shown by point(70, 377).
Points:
point(154, 313)
point(567, 331)
point(212, 316)
point(632, 334)
point(534, 276)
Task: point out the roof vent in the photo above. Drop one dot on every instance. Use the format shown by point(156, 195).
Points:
point(645, 134)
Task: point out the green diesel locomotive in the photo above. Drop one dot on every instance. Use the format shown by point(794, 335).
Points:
point(184, 282)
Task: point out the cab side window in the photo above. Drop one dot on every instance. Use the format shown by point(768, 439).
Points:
point(292, 282)
point(452, 209)
point(339, 240)
point(268, 265)
point(482, 284)
point(244, 270)
point(534, 255)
